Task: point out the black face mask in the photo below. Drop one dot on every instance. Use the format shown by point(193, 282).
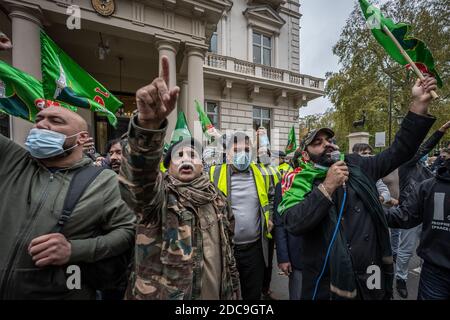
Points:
point(323, 159)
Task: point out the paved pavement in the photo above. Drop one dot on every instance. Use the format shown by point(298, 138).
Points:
point(279, 283)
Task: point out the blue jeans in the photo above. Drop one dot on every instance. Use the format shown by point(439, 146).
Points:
point(434, 283)
point(394, 240)
point(295, 284)
point(407, 242)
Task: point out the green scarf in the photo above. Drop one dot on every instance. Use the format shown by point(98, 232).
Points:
point(298, 183)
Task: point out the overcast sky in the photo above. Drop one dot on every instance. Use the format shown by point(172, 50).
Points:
point(320, 27)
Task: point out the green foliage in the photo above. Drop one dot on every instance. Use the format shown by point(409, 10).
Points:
point(363, 81)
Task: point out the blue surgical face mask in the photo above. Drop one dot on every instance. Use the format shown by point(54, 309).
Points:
point(43, 144)
point(241, 160)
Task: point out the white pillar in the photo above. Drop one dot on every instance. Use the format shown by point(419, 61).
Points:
point(357, 137)
point(169, 48)
point(276, 62)
point(183, 99)
point(26, 56)
point(249, 43)
point(223, 35)
point(196, 57)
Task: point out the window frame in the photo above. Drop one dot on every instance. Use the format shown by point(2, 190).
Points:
point(217, 126)
point(261, 47)
point(261, 119)
point(216, 34)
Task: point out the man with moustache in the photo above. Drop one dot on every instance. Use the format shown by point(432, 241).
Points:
point(185, 226)
point(334, 206)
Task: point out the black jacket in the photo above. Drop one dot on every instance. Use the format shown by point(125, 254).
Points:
point(288, 245)
point(429, 204)
point(413, 172)
point(306, 217)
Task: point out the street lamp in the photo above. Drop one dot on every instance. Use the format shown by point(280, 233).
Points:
point(390, 100)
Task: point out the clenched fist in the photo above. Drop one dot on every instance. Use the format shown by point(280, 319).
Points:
point(337, 175)
point(156, 101)
point(50, 249)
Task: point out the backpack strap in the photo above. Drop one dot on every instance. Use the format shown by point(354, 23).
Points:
point(79, 183)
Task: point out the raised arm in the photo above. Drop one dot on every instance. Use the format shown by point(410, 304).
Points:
point(413, 131)
point(140, 177)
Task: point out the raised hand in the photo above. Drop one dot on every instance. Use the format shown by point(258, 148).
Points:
point(421, 95)
point(156, 101)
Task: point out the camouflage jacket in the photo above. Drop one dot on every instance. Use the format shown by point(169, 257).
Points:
point(168, 259)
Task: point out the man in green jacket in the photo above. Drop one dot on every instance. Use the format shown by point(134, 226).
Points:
point(35, 260)
point(184, 248)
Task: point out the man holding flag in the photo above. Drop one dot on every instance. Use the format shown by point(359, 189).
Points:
point(334, 206)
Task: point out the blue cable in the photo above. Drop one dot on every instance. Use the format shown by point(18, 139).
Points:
point(331, 243)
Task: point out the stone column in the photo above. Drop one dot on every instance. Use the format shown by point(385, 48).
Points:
point(196, 58)
point(183, 99)
point(250, 43)
point(276, 54)
point(26, 56)
point(223, 35)
point(169, 48)
point(357, 137)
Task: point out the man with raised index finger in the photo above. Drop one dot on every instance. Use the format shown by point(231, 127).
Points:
point(185, 225)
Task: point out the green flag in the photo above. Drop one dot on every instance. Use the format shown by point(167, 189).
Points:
point(415, 48)
point(298, 183)
point(208, 128)
point(292, 141)
point(65, 81)
point(21, 94)
point(181, 130)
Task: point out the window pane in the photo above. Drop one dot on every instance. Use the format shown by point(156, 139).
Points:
point(265, 113)
point(215, 121)
point(256, 112)
point(267, 42)
point(213, 44)
point(256, 54)
point(256, 124)
point(266, 124)
point(256, 38)
point(211, 107)
point(267, 57)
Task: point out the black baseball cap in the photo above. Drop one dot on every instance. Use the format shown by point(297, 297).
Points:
point(191, 142)
point(311, 135)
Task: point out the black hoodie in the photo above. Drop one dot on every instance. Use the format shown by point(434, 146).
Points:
point(429, 204)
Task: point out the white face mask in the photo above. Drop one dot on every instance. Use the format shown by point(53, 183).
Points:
point(44, 144)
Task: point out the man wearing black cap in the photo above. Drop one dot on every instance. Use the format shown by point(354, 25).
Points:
point(185, 225)
point(333, 204)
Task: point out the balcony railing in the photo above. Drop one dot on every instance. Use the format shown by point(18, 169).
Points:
point(260, 71)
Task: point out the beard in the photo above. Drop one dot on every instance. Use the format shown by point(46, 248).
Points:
point(323, 159)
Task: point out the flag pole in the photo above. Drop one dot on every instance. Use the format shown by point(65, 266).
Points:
point(408, 58)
